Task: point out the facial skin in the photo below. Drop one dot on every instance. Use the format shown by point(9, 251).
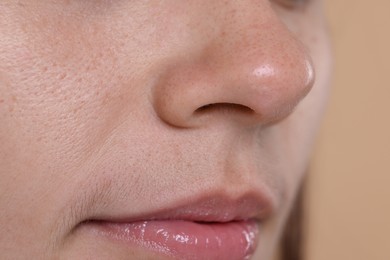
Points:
point(125, 108)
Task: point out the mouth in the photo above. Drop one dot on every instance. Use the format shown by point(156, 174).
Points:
point(217, 228)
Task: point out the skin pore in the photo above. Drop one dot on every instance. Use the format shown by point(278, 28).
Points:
point(114, 108)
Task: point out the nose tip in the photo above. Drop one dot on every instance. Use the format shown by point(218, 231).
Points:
point(278, 86)
point(257, 76)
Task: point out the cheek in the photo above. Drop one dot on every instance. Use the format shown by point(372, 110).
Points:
point(60, 84)
point(53, 114)
point(55, 110)
point(323, 61)
point(47, 102)
point(315, 37)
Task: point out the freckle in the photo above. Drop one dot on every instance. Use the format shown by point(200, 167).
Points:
point(62, 76)
point(1, 100)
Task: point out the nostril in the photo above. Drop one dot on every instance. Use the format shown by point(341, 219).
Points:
point(225, 108)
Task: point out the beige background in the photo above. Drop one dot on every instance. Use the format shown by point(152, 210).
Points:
point(350, 185)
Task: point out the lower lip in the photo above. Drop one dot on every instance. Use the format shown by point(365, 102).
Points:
point(186, 239)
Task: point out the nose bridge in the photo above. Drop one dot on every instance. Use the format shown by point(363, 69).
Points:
point(251, 60)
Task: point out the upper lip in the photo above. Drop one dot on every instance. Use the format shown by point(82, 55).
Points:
point(215, 207)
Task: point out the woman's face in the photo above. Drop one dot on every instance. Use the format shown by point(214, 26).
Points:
point(155, 129)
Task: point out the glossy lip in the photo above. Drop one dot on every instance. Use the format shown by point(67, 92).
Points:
point(209, 228)
point(181, 239)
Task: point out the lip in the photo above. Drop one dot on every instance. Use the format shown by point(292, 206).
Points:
point(215, 227)
point(182, 239)
point(210, 207)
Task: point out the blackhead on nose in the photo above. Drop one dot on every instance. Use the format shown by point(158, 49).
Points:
point(250, 69)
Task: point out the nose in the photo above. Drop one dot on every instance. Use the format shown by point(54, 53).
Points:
point(246, 67)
